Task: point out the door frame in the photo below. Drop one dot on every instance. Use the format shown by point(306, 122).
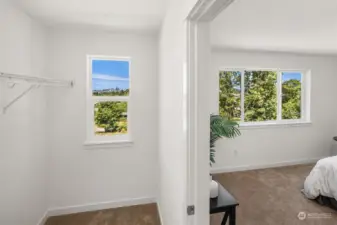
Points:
point(197, 116)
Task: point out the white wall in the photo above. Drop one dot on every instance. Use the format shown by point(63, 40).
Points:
point(172, 155)
point(172, 197)
point(276, 26)
point(23, 154)
point(267, 146)
point(80, 176)
point(174, 159)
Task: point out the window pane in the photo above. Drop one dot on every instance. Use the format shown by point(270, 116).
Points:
point(260, 96)
point(291, 95)
point(110, 78)
point(110, 118)
point(230, 95)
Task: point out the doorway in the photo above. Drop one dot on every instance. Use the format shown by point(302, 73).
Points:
point(198, 115)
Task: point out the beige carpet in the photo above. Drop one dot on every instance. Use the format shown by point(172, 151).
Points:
point(266, 197)
point(135, 215)
point(273, 197)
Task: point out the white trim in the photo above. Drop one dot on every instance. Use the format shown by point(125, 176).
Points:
point(110, 57)
point(160, 213)
point(98, 99)
point(264, 166)
point(270, 124)
point(304, 86)
point(197, 117)
point(307, 91)
point(191, 117)
point(43, 219)
point(279, 96)
point(198, 167)
point(107, 144)
point(242, 103)
point(99, 206)
point(207, 10)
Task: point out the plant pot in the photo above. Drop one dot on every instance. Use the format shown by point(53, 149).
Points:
point(214, 189)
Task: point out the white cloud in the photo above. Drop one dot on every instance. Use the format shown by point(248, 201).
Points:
point(109, 77)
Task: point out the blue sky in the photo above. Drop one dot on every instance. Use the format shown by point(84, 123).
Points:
point(291, 76)
point(108, 74)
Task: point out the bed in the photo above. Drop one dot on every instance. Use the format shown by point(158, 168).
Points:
point(321, 184)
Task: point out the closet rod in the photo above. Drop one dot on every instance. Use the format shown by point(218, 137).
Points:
point(37, 80)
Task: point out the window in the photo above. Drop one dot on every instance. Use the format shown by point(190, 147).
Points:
point(108, 98)
point(264, 96)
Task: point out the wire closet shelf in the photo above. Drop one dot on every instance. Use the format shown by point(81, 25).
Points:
point(34, 83)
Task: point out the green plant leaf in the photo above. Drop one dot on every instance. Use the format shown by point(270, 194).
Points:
point(221, 127)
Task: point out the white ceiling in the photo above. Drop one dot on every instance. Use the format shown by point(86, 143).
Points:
point(305, 26)
point(112, 14)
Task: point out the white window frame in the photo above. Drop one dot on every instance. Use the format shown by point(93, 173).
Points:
point(118, 140)
point(305, 97)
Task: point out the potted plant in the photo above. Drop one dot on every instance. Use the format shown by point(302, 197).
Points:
point(221, 127)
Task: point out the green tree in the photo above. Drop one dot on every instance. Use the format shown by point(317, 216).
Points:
point(260, 95)
point(230, 95)
point(111, 116)
point(291, 99)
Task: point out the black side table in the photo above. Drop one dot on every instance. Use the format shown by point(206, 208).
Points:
point(226, 203)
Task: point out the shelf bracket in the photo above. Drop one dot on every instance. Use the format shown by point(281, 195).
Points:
point(6, 107)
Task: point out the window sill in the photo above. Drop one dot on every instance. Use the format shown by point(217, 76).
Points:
point(272, 124)
point(93, 145)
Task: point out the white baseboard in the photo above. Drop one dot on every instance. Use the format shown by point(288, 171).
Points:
point(43, 219)
point(99, 206)
point(160, 213)
point(263, 166)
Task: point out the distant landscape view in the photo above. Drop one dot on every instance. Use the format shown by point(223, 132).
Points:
point(111, 92)
point(110, 78)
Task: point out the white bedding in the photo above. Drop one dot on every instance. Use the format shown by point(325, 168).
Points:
point(322, 180)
